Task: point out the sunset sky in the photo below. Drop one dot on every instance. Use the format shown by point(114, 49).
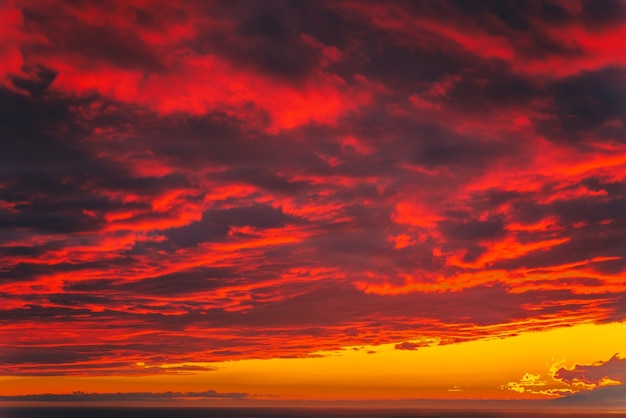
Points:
point(312, 200)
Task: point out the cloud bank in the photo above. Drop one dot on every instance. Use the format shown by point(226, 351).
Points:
point(124, 397)
point(203, 181)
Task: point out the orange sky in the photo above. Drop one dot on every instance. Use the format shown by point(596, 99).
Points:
point(313, 200)
point(481, 369)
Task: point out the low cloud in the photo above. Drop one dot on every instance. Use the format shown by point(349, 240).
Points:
point(533, 383)
point(414, 345)
point(407, 346)
point(80, 396)
point(601, 382)
point(603, 373)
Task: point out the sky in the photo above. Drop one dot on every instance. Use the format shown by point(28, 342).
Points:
point(312, 200)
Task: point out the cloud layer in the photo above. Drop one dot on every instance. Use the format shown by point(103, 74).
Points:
point(205, 181)
point(124, 397)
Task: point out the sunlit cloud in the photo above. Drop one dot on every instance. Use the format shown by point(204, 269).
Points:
point(603, 373)
point(580, 379)
point(191, 183)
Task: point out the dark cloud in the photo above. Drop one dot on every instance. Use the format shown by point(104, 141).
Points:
point(594, 374)
point(33, 124)
point(189, 281)
point(124, 397)
point(611, 12)
point(28, 271)
point(589, 104)
point(610, 267)
point(56, 217)
point(487, 89)
point(38, 84)
point(239, 180)
point(66, 34)
point(263, 38)
point(216, 223)
point(437, 147)
point(582, 244)
point(473, 230)
point(397, 65)
point(407, 346)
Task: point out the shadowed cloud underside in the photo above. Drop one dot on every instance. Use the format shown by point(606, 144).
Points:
point(186, 183)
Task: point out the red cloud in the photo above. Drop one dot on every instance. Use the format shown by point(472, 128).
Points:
point(197, 182)
point(163, 58)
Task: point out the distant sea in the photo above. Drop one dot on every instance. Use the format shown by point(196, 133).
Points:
point(80, 412)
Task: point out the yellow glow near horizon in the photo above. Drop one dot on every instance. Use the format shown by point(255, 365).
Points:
point(471, 370)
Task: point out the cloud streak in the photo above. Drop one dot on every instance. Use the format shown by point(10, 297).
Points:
point(124, 397)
